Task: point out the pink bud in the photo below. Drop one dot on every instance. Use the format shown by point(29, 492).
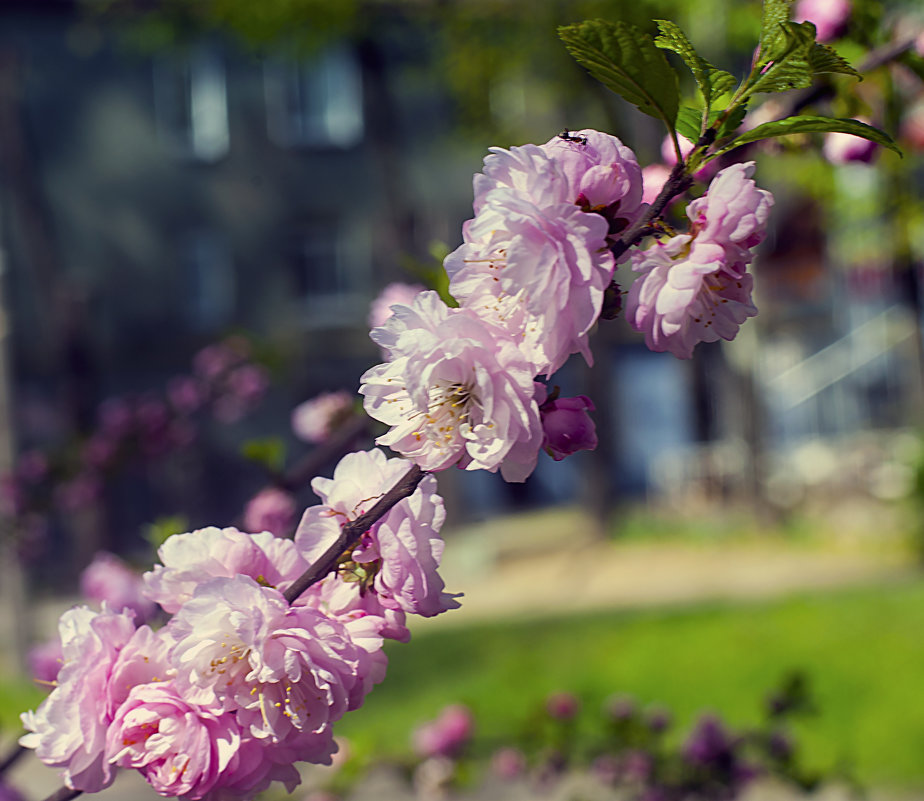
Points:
point(567, 426)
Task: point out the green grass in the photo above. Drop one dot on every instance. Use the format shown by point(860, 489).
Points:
point(862, 649)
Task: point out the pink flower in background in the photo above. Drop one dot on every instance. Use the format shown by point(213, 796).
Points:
point(508, 763)
point(829, 16)
point(403, 549)
point(32, 466)
point(654, 176)
point(842, 148)
point(394, 294)
point(45, 660)
point(188, 560)
point(316, 419)
point(186, 394)
point(562, 706)
point(458, 391)
point(447, 735)
point(107, 579)
point(68, 730)
point(566, 426)
point(272, 509)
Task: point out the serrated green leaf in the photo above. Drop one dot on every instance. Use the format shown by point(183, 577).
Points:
point(772, 38)
point(793, 125)
point(731, 124)
point(722, 82)
point(823, 58)
point(712, 82)
point(627, 61)
point(270, 452)
point(689, 122)
point(791, 69)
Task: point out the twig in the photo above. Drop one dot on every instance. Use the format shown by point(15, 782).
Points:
point(352, 531)
point(64, 794)
point(300, 473)
point(12, 758)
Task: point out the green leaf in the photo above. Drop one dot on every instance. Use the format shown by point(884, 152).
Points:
point(162, 528)
point(689, 122)
point(791, 68)
point(731, 124)
point(823, 58)
point(712, 82)
point(627, 61)
point(793, 125)
point(772, 37)
point(270, 452)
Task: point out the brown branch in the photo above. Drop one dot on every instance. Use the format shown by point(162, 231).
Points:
point(12, 758)
point(341, 440)
point(64, 794)
point(352, 531)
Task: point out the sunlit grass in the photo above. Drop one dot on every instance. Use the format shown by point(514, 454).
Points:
point(862, 649)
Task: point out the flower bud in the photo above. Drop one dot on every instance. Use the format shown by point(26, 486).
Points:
point(566, 426)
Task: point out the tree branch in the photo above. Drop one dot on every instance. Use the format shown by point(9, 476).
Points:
point(352, 531)
point(64, 794)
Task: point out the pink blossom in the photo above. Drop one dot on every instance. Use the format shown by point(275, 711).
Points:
point(45, 660)
point(68, 730)
point(32, 466)
point(447, 735)
point(396, 293)
point(272, 509)
point(186, 394)
point(694, 288)
point(550, 263)
point(398, 558)
point(562, 706)
point(566, 426)
point(287, 672)
point(733, 213)
point(180, 749)
point(107, 579)
point(9, 793)
point(685, 296)
point(457, 391)
point(842, 148)
point(592, 169)
point(191, 559)
point(830, 16)
point(78, 493)
point(316, 419)
point(508, 763)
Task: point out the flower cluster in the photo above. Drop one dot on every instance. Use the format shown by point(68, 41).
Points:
point(531, 275)
point(458, 387)
point(243, 682)
point(695, 287)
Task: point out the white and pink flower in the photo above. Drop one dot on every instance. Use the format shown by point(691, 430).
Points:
point(398, 558)
point(457, 391)
point(191, 559)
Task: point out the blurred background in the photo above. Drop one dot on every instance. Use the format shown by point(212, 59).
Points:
point(199, 201)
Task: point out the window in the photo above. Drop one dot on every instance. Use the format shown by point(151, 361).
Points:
point(191, 103)
point(330, 272)
point(208, 280)
point(316, 103)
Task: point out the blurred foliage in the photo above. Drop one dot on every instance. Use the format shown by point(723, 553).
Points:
point(860, 648)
